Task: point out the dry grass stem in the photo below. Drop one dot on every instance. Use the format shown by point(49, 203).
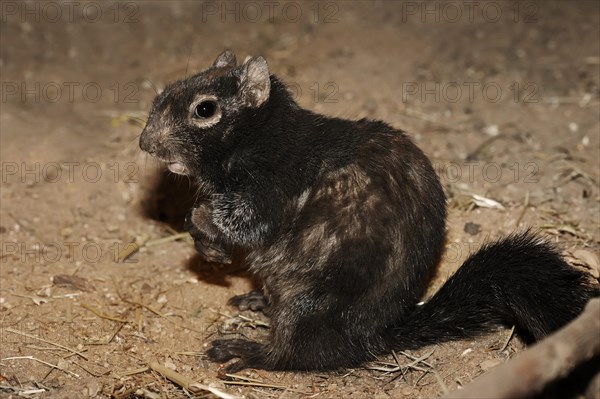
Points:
point(121, 374)
point(101, 314)
point(523, 210)
point(508, 338)
point(263, 385)
point(54, 366)
point(73, 351)
point(174, 237)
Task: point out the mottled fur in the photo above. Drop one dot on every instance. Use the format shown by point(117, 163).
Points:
point(343, 222)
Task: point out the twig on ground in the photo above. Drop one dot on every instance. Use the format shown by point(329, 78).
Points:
point(188, 383)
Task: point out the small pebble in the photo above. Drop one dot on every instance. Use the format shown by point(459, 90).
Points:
point(472, 228)
point(170, 365)
point(585, 140)
point(466, 352)
point(492, 130)
point(573, 127)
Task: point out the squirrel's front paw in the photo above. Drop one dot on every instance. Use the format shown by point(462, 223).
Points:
point(211, 249)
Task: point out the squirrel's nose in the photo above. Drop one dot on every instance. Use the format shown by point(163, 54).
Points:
point(147, 143)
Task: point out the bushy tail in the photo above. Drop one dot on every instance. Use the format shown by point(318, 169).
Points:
point(520, 280)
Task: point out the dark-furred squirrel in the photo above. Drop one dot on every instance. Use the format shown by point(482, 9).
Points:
point(343, 221)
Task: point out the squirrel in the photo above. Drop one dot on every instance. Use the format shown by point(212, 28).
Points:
point(343, 223)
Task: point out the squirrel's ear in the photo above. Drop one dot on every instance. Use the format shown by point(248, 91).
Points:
point(225, 59)
point(255, 82)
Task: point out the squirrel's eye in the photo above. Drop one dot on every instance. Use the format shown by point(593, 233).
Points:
point(205, 109)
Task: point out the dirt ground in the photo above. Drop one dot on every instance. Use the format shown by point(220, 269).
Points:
point(503, 96)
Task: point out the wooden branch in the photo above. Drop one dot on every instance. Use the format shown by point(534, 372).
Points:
point(552, 358)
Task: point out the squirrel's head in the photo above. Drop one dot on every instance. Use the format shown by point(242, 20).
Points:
point(195, 114)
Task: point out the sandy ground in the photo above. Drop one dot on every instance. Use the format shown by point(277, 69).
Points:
point(503, 96)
